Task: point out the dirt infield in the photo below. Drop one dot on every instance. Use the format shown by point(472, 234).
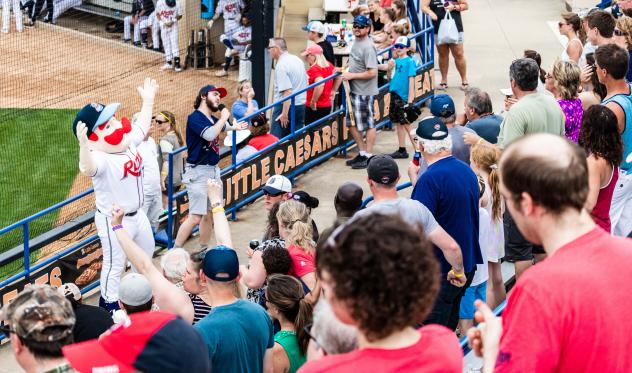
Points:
point(55, 67)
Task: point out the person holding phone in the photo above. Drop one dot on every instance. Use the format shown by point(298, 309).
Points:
point(437, 9)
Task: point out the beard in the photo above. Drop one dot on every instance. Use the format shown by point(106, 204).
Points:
point(211, 105)
point(116, 137)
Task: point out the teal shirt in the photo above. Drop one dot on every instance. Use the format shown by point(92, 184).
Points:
point(404, 68)
point(289, 342)
point(237, 336)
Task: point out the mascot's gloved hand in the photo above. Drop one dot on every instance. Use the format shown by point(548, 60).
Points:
point(148, 90)
point(86, 163)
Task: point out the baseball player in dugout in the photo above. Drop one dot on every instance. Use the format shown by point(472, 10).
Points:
point(107, 154)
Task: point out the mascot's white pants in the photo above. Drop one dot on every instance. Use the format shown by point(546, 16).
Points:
point(63, 5)
point(114, 258)
point(170, 41)
point(6, 7)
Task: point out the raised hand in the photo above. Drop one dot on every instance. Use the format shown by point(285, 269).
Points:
point(82, 134)
point(148, 90)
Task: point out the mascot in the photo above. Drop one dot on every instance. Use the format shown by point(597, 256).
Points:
point(107, 154)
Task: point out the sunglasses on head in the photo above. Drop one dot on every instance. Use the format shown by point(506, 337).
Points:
point(618, 32)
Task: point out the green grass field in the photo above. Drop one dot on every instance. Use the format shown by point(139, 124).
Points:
point(37, 169)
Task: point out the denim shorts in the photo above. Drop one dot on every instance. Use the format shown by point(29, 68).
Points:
point(467, 302)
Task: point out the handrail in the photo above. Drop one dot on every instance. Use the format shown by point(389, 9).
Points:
point(497, 312)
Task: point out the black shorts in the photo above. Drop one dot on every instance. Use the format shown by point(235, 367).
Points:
point(517, 248)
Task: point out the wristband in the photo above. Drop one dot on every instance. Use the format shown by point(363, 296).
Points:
point(117, 227)
point(217, 209)
point(457, 275)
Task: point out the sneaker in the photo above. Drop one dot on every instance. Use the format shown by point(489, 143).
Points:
point(351, 161)
point(166, 66)
point(399, 154)
point(221, 73)
point(178, 68)
point(137, 43)
point(127, 41)
point(29, 23)
point(363, 162)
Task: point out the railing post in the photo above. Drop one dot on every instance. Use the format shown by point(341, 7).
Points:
point(27, 250)
point(292, 115)
point(170, 202)
point(233, 147)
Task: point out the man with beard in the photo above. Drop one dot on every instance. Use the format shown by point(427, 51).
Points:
point(202, 135)
point(107, 154)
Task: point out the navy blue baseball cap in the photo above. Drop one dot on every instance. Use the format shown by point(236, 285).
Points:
point(221, 264)
point(432, 128)
point(362, 20)
point(211, 88)
point(442, 106)
point(154, 341)
point(94, 115)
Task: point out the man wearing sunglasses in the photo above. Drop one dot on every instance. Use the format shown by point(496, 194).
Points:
point(278, 188)
point(362, 77)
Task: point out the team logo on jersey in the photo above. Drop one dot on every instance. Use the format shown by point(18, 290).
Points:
point(133, 166)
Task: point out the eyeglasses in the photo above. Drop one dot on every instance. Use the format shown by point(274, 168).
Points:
point(355, 25)
point(266, 193)
point(399, 46)
point(560, 24)
point(307, 329)
point(618, 32)
point(160, 121)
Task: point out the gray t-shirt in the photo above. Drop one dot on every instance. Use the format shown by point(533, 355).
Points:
point(290, 74)
point(168, 143)
point(412, 211)
point(362, 57)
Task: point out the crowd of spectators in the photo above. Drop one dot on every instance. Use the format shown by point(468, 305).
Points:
point(388, 287)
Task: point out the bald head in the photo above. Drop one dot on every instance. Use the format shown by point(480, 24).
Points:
point(551, 169)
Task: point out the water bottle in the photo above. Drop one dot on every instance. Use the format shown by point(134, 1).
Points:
point(344, 24)
point(416, 158)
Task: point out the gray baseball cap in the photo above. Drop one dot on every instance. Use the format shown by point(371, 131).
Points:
point(134, 290)
point(39, 313)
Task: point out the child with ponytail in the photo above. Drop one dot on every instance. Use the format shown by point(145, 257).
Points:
point(295, 227)
point(484, 162)
point(286, 303)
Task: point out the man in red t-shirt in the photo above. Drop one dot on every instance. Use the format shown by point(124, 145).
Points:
point(380, 275)
point(569, 313)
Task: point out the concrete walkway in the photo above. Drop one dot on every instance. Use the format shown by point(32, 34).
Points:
point(496, 32)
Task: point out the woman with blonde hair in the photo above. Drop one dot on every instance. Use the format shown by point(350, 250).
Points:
point(286, 303)
point(564, 82)
point(170, 141)
point(295, 227)
point(484, 162)
point(571, 27)
point(623, 38)
point(319, 98)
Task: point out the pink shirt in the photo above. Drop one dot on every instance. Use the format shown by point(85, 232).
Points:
point(436, 351)
point(303, 262)
point(571, 313)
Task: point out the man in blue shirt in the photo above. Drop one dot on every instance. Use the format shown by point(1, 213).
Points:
point(449, 189)
point(202, 137)
point(480, 115)
point(238, 333)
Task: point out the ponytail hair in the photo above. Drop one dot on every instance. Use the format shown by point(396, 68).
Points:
point(287, 295)
point(486, 158)
point(294, 216)
point(529, 53)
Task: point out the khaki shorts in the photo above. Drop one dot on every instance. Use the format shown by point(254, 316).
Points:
point(195, 179)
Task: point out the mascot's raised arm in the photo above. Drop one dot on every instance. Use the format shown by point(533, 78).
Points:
point(107, 154)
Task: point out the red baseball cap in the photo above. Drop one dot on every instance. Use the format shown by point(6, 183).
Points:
point(148, 342)
point(211, 88)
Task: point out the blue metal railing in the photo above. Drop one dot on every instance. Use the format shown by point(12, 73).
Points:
point(497, 311)
point(426, 52)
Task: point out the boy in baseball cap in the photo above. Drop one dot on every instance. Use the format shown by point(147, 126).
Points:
point(276, 190)
point(317, 34)
point(39, 324)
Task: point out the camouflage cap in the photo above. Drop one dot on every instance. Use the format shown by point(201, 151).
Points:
point(39, 313)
